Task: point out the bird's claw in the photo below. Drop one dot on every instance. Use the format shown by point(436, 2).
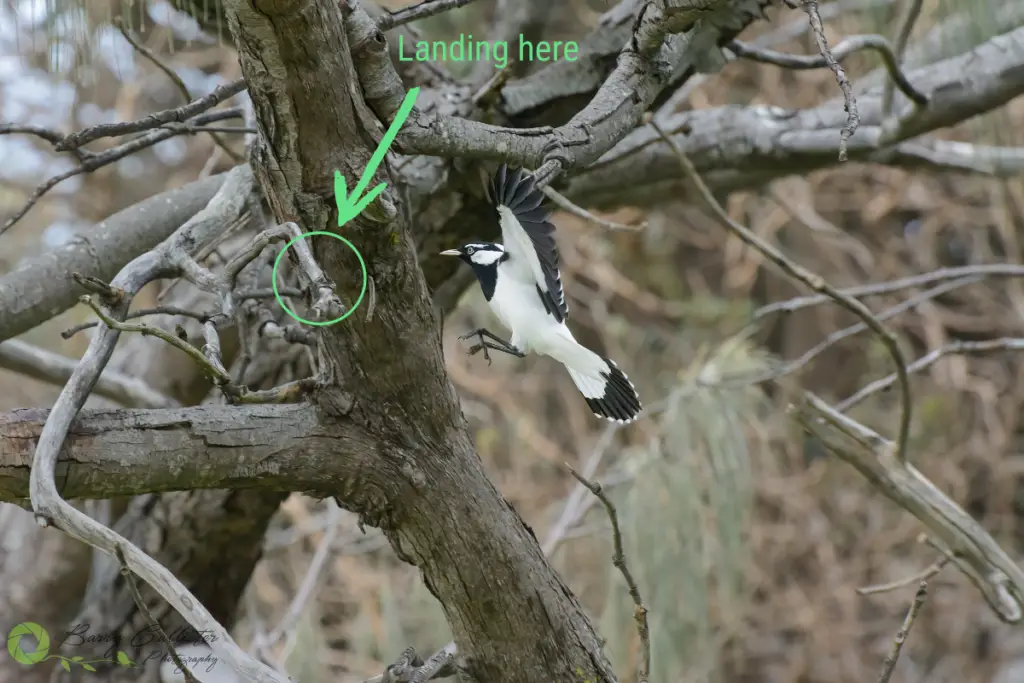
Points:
point(476, 348)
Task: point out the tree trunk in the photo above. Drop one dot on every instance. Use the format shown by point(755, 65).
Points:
point(512, 616)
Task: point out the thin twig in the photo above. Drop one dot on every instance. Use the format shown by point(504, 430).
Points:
point(21, 357)
point(99, 159)
point(174, 78)
point(310, 581)
point(890, 286)
point(852, 117)
point(901, 636)
point(120, 25)
point(51, 136)
point(219, 377)
point(129, 578)
point(923, 575)
point(486, 94)
point(841, 51)
point(835, 337)
point(422, 10)
point(142, 312)
point(926, 361)
point(813, 281)
point(155, 120)
point(576, 503)
point(619, 560)
point(232, 130)
point(564, 203)
point(289, 392)
point(209, 359)
point(906, 28)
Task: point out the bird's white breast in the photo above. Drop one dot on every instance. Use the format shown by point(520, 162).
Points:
point(519, 308)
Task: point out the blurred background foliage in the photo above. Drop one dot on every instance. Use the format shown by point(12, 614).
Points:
point(748, 543)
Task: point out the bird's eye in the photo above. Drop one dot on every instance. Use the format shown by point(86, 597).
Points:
point(470, 250)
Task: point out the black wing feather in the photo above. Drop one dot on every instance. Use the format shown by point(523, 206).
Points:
point(518, 191)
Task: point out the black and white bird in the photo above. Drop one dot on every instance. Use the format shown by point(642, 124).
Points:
point(520, 281)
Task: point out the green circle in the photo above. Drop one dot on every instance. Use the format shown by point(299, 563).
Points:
point(41, 650)
point(277, 295)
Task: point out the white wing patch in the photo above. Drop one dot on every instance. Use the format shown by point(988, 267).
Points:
point(528, 237)
point(518, 244)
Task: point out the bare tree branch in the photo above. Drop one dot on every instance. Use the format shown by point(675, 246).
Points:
point(619, 560)
point(975, 552)
point(644, 68)
point(41, 287)
point(739, 147)
point(148, 54)
point(847, 47)
point(18, 356)
point(512, 19)
point(850, 102)
point(51, 509)
point(913, 10)
point(421, 10)
point(932, 357)
point(129, 578)
point(97, 160)
point(901, 636)
point(942, 274)
point(811, 280)
point(176, 115)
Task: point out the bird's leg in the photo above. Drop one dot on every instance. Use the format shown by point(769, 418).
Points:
point(483, 346)
point(488, 345)
point(504, 345)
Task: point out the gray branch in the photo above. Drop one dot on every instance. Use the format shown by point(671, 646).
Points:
point(738, 147)
point(49, 505)
point(42, 287)
point(125, 452)
point(38, 363)
point(651, 57)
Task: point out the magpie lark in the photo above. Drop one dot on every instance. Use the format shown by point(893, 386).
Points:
point(521, 283)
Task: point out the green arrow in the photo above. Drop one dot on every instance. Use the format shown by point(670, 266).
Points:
point(351, 205)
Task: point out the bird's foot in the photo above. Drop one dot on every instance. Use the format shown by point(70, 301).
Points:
point(476, 348)
point(482, 346)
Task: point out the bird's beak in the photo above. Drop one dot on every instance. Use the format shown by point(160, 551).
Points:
point(450, 252)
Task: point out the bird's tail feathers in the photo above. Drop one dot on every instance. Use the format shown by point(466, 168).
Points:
point(607, 390)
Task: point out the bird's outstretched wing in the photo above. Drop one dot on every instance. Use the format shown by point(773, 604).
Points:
point(528, 236)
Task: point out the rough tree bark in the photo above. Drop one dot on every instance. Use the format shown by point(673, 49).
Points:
point(512, 616)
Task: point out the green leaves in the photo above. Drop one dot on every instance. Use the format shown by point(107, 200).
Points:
point(124, 660)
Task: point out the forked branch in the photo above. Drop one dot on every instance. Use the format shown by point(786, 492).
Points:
point(52, 509)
